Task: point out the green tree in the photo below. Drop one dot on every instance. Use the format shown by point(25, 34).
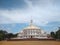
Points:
point(5, 35)
point(9, 35)
point(2, 35)
point(58, 33)
point(53, 34)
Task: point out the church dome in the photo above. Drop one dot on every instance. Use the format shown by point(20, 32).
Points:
point(32, 27)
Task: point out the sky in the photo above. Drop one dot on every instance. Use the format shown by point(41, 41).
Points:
point(16, 14)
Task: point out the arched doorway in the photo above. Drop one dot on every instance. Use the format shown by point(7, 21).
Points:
point(31, 36)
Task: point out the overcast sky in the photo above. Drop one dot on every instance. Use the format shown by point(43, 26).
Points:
point(16, 14)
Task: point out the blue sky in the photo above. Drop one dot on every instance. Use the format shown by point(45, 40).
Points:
point(16, 14)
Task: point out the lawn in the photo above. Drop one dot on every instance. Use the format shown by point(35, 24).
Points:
point(29, 43)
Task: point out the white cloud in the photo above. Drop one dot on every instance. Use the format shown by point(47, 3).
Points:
point(42, 12)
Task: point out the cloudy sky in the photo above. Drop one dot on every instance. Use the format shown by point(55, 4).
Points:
point(16, 14)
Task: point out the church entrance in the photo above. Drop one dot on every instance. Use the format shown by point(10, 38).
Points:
point(31, 36)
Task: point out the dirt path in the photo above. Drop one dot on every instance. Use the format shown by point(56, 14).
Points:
point(29, 43)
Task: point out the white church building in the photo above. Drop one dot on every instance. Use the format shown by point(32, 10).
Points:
point(32, 31)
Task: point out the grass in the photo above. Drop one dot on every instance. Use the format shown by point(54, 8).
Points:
point(29, 43)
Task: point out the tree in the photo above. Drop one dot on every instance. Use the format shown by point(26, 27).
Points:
point(5, 35)
point(10, 35)
point(58, 33)
point(15, 35)
point(2, 34)
point(53, 34)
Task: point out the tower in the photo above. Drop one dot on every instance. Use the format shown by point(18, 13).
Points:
point(31, 22)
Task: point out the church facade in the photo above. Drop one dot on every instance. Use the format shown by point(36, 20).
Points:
point(32, 31)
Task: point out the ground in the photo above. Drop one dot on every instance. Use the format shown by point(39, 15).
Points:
point(29, 42)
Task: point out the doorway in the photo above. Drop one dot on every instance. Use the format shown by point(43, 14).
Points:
point(31, 37)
